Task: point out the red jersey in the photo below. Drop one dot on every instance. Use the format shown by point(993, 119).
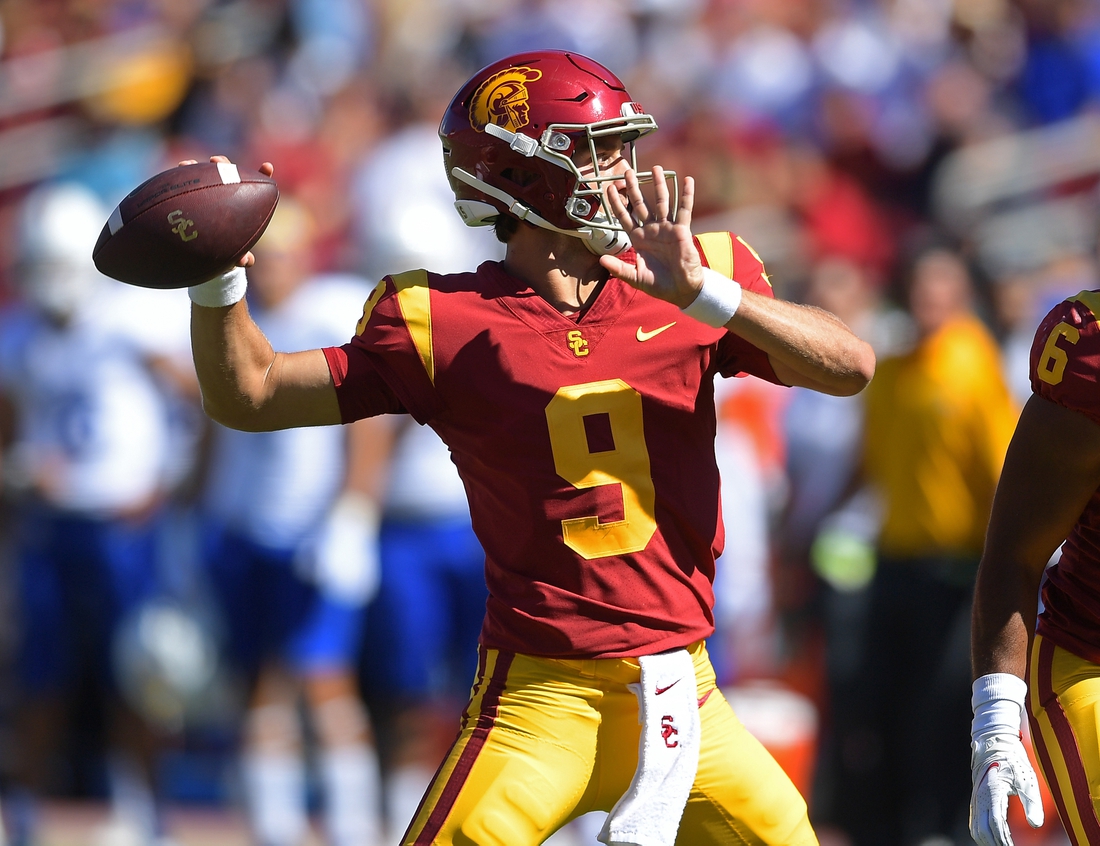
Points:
point(1065, 369)
point(585, 445)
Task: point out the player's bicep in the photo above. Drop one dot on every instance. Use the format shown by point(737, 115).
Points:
point(1051, 471)
point(302, 392)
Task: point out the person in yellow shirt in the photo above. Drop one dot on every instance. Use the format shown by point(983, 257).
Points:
point(938, 422)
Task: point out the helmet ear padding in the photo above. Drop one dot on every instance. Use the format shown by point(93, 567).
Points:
point(520, 177)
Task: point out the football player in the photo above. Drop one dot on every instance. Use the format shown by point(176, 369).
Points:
point(573, 384)
point(292, 548)
point(1035, 640)
point(93, 455)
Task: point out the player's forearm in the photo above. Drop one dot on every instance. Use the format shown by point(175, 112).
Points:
point(1004, 612)
point(807, 346)
point(232, 360)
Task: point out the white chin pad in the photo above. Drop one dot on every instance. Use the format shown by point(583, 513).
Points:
point(606, 242)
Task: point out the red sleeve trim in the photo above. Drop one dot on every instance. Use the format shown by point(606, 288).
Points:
point(337, 364)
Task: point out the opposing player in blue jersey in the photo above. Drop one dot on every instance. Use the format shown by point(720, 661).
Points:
point(292, 550)
point(91, 458)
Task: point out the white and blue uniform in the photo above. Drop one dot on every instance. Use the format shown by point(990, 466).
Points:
point(91, 464)
point(267, 496)
point(424, 623)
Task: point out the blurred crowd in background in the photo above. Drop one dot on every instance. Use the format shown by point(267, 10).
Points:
point(928, 170)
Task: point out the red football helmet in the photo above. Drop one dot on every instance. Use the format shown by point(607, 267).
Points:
point(512, 131)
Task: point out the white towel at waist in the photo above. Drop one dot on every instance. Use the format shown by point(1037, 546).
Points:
point(648, 814)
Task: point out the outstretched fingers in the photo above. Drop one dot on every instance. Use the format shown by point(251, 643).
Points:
point(687, 201)
point(619, 208)
point(267, 168)
point(635, 198)
point(660, 191)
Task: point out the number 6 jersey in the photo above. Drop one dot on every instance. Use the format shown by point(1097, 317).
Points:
point(1065, 369)
point(586, 446)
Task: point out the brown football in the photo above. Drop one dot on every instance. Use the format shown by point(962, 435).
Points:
point(185, 225)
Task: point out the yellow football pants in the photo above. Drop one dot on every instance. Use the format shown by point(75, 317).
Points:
point(1064, 706)
point(544, 741)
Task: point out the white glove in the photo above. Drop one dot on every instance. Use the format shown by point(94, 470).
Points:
point(342, 559)
point(999, 765)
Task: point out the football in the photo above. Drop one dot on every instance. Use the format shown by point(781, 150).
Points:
point(185, 225)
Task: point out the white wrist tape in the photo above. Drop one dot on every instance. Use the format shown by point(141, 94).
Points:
point(717, 300)
point(220, 291)
point(998, 703)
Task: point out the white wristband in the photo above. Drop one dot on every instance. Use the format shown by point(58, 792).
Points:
point(717, 300)
point(220, 291)
point(998, 703)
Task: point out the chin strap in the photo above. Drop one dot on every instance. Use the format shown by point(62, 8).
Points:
point(600, 241)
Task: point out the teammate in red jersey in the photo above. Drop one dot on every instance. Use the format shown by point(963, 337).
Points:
point(1035, 628)
point(573, 385)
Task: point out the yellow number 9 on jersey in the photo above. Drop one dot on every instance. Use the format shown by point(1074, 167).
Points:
point(1053, 361)
point(625, 464)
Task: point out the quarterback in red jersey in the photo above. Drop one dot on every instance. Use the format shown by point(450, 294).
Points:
point(1036, 626)
point(573, 383)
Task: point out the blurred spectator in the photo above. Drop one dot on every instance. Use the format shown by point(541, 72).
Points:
point(89, 463)
point(604, 31)
point(292, 554)
point(1054, 81)
point(824, 434)
point(825, 532)
point(402, 206)
point(937, 425)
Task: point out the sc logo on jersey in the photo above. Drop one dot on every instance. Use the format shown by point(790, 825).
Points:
point(576, 342)
point(502, 100)
point(181, 224)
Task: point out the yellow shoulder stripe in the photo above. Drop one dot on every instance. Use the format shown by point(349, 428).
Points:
point(1091, 301)
point(368, 306)
point(414, 299)
point(718, 251)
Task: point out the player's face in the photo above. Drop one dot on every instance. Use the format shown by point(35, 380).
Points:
point(610, 157)
point(607, 160)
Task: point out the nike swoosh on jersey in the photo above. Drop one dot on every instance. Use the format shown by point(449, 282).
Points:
point(645, 336)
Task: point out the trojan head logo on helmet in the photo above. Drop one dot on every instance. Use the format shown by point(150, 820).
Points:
point(512, 132)
point(502, 100)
